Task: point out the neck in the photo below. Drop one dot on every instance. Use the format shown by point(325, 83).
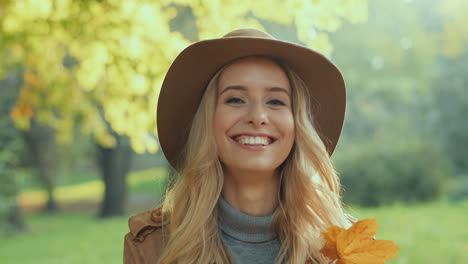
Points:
point(251, 192)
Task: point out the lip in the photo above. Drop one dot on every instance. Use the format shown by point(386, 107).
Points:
point(250, 147)
point(254, 135)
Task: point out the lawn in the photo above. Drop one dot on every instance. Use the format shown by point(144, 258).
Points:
point(427, 233)
point(66, 239)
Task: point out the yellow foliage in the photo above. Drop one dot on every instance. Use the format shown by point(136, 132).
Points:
point(46, 116)
point(455, 34)
point(25, 111)
point(31, 79)
point(11, 24)
point(113, 54)
point(356, 245)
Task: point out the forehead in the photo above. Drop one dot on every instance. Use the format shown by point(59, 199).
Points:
point(254, 72)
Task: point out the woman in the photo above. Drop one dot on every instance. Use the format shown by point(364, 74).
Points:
point(249, 123)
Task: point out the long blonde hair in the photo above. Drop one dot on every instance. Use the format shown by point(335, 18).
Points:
point(309, 197)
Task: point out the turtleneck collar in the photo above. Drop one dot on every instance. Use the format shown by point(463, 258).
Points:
point(243, 227)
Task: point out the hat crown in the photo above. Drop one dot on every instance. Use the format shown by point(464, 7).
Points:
point(248, 32)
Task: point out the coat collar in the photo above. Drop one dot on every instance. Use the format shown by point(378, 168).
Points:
point(144, 223)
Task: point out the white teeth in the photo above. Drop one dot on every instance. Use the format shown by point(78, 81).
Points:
point(252, 140)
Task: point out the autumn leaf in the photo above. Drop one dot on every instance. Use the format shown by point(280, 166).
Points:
point(31, 79)
point(25, 111)
point(15, 113)
point(331, 235)
point(356, 245)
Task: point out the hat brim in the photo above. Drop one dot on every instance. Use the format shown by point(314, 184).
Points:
point(189, 74)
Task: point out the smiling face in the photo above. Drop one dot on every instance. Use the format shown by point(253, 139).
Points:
point(253, 121)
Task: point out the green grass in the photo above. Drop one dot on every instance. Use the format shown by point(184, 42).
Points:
point(69, 238)
point(428, 233)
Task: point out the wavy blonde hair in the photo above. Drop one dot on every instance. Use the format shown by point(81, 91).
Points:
point(309, 197)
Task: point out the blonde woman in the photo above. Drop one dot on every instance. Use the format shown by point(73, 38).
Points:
point(249, 123)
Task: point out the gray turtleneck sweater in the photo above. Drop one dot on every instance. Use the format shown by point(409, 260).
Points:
point(249, 239)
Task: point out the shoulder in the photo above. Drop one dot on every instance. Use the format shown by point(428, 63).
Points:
point(147, 237)
point(143, 224)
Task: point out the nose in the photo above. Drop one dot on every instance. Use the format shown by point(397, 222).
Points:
point(257, 115)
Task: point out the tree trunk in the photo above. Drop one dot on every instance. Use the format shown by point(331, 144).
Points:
point(11, 147)
point(11, 218)
point(40, 141)
point(15, 219)
point(114, 164)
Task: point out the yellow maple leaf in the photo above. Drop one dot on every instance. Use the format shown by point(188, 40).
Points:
point(357, 245)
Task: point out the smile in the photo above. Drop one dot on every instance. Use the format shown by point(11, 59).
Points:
point(248, 140)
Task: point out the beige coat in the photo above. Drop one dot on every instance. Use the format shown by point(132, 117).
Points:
point(145, 241)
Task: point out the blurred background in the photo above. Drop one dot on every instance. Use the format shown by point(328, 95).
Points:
point(79, 82)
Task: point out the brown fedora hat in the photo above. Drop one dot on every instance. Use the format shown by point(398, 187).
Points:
point(189, 74)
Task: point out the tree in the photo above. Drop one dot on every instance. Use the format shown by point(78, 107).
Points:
point(41, 147)
point(390, 64)
point(448, 120)
point(11, 217)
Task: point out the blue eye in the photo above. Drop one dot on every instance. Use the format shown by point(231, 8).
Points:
point(234, 100)
point(277, 102)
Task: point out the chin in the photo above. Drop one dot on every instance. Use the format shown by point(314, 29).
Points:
point(257, 166)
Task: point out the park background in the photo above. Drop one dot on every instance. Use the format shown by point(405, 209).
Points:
point(79, 82)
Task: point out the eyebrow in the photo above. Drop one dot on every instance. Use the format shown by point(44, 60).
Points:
point(243, 88)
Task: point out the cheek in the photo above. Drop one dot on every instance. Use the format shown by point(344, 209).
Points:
point(285, 122)
point(223, 120)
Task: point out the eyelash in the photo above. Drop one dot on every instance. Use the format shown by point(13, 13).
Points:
point(230, 100)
